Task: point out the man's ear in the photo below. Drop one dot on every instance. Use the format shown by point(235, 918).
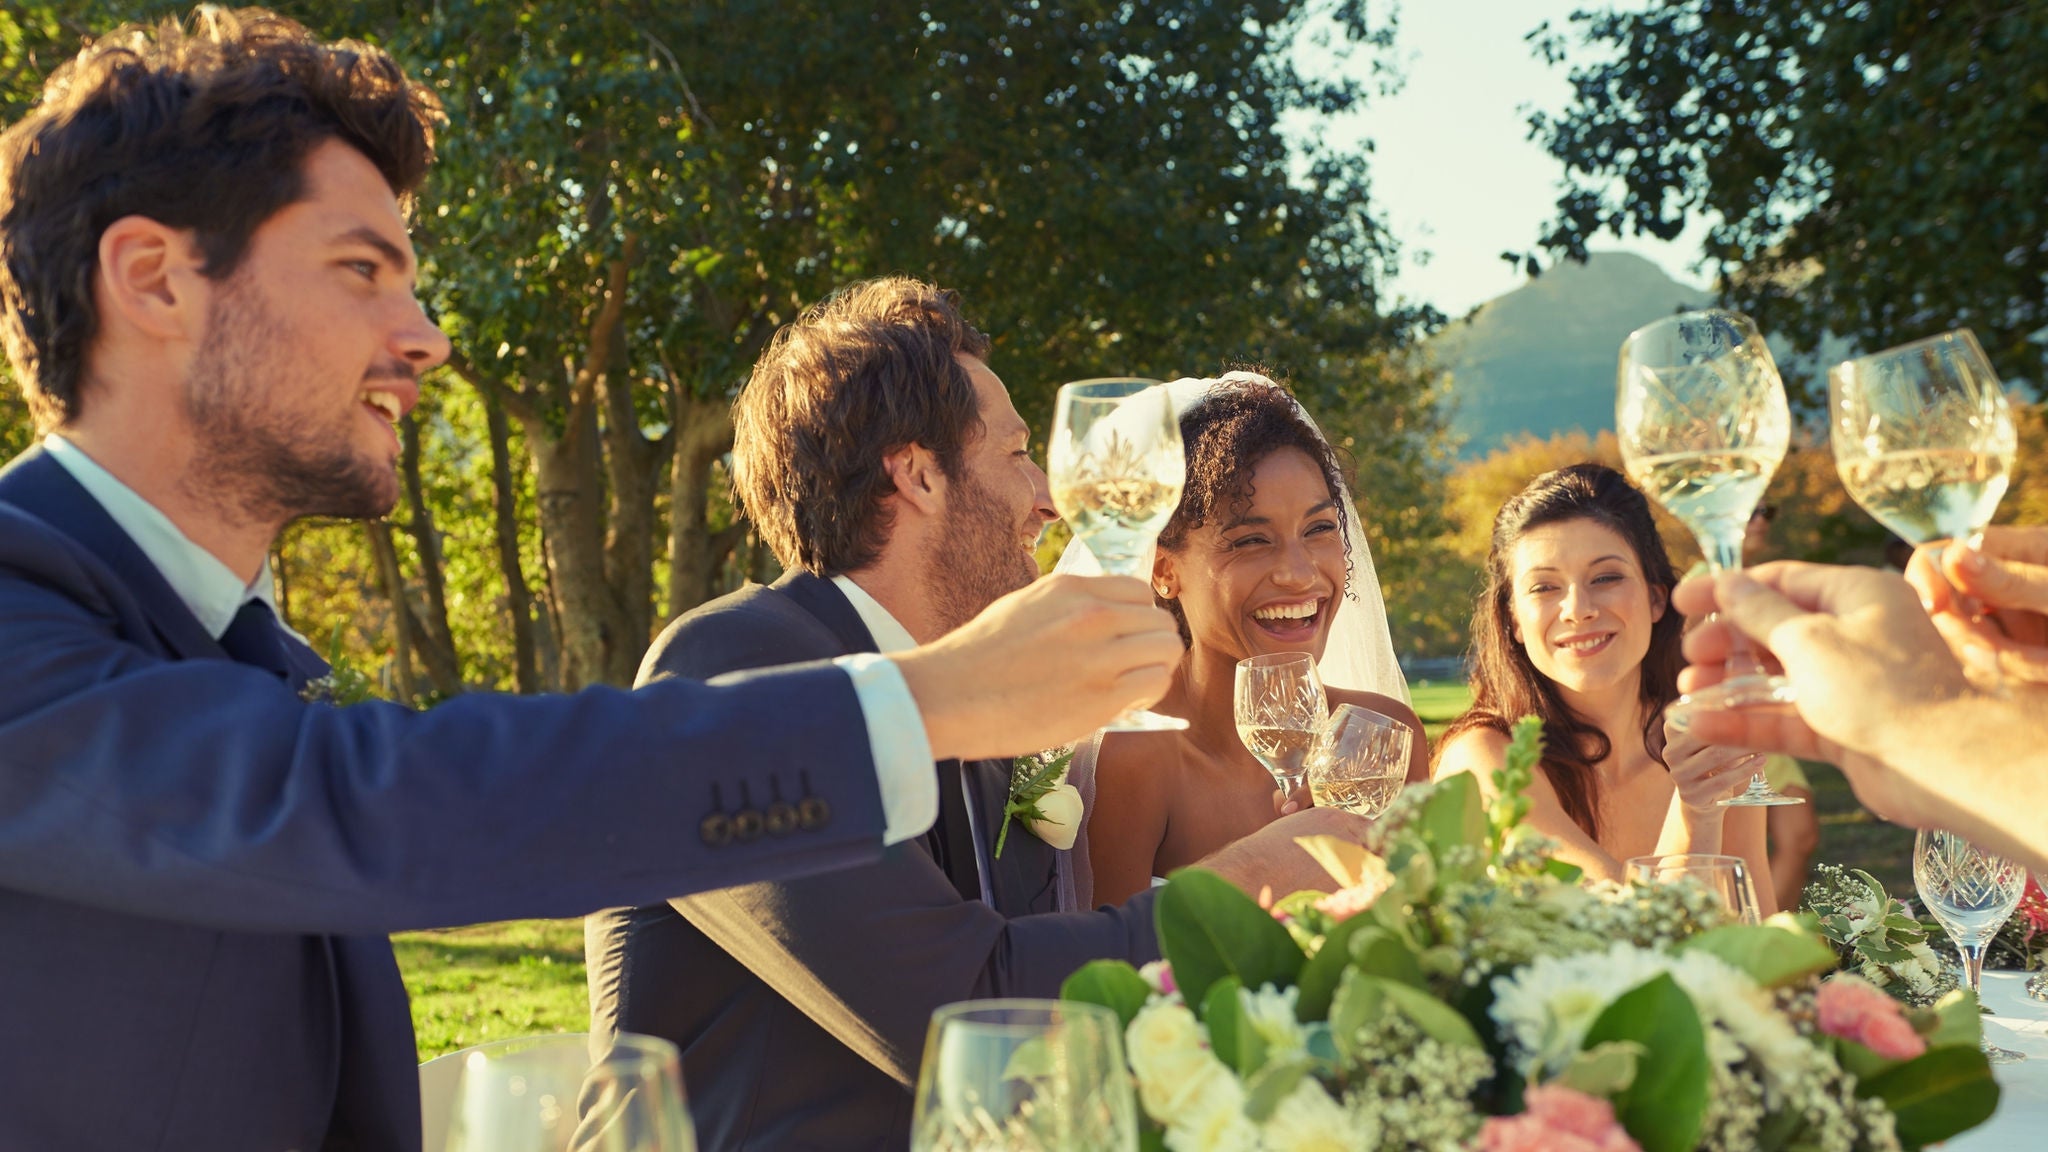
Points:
point(919, 481)
point(149, 280)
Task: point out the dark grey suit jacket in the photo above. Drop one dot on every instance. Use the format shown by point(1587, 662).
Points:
point(801, 1006)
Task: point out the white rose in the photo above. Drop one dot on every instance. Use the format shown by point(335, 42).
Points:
point(1310, 1121)
point(1170, 1055)
point(1062, 822)
point(1215, 1119)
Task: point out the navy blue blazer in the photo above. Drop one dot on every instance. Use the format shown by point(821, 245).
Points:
point(198, 868)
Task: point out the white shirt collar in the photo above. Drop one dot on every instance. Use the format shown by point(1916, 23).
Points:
point(209, 588)
point(890, 636)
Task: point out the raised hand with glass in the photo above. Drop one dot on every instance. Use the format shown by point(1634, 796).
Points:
point(1116, 467)
point(1703, 423)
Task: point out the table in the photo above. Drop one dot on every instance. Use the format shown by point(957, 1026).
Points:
point(2021, 1024)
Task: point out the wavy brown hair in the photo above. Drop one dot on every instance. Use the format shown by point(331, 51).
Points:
point(863, 374)
point(204, 128)
point(1505, 683)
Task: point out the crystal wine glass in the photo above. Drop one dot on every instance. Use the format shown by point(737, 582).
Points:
point(1023, 1076)
point(1359, 761)
point(565, 1094)
point(1971, 892)
point(1725, 876)
point(1116, 466)
point(1923, 436)
point(1279, 705)
point(1703, 423)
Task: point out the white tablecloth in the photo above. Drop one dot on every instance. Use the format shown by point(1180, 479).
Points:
point(2021, 1124)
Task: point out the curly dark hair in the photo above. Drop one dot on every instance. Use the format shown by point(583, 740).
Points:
point(205, 128)
point(1227, 435)
point(1506, 684)
point(866, 372)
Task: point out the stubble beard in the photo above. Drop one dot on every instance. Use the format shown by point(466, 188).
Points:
point(977, 560)
point(255, 460)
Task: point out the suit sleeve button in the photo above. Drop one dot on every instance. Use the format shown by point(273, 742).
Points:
point(746, 824)
point(716, 830)
point(782, 818)
point(814, 813)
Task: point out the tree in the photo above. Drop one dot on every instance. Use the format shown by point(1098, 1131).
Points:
point(1869, 168)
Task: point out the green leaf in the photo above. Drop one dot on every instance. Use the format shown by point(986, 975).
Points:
point(1111, 983)
point(1937, 1095)
point(1208, 930)
point(1452, 815)
point(1438, 1020)
point(1384, 955)
point(1958, 1021)
point(1773, 954)
point(1031, 1060)
point(1567, 872)
point(1231, 1035)
point(1604, 1070)
point(1359, 1001)
point(1319, 977)
point(1274, 1083)
point(1663, 1108)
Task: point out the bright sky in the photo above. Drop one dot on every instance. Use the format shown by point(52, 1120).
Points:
point(1454, 173)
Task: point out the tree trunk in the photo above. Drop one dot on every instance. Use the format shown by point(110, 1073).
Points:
point(593, 628)
point(403, 627)
point(436, 640)
point(703, 433)
point(518, 599)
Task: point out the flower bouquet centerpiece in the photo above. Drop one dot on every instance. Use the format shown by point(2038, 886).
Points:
point(1464, 990)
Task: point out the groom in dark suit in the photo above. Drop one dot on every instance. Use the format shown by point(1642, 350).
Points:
point(883, 461)
point(206, 292)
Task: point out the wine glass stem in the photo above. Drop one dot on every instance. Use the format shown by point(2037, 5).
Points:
point(1724, 554)
point(1973, 966)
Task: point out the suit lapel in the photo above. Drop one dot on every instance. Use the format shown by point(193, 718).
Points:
point(952, 838)
point(41, 487)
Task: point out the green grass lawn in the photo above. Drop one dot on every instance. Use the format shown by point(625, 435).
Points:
point(491, 981)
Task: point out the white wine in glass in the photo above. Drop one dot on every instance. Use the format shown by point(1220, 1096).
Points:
point(1279, 705)
point(1923, 436)
point(1703, 422)
point(1359, 762)
point(1116, 467)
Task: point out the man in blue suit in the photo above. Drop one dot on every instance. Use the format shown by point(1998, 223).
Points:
point(206, 290)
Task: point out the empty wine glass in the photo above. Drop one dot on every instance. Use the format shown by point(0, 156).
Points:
point(1703, 423)
point(1359, 761)
point(1280, 704)
point(1970, 892)
point(1116, 468)
point(1725, 876)
point(567, 1093)
point(1023, 1076)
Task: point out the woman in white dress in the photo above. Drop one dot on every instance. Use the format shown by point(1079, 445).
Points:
point(1264, 554)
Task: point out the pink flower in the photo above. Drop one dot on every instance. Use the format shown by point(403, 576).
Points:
point(1159, 974)
point(1345, 903)
point(1853, 1008)
point(1558, 1119)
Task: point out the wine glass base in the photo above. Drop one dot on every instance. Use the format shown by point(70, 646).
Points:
point(1145, 720)
point(1997, 1055)
point(1760, 795)
point(2037, 985)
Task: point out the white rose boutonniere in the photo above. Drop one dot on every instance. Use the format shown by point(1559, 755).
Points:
point(1041, 797)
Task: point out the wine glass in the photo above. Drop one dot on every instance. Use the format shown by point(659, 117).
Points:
point(1971, 892)
point(1359, 761)
point(1279, 705)
point(1725, 876)
point(1023, 1076)
point(1703, 423)
point(1923, 436)
point(571, 1093)
point(1116, 468)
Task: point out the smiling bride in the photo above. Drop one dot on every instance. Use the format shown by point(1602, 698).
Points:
point(1264, 554)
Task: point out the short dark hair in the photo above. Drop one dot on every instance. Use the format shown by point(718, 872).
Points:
point(1226, 435)
point(204, 128)
point(867, 372)
point(1505, 682)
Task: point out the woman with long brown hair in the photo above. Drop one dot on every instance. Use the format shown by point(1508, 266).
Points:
point(1576, 626)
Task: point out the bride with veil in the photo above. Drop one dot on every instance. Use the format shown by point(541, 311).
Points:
point(1264, 554)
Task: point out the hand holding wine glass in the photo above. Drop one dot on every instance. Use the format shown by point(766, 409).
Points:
point(1703, 423)
point(1116, 466)
point(1279, 706)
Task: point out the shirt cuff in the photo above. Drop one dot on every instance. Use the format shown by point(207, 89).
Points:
point(897, 741)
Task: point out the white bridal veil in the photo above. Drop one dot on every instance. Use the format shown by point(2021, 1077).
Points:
point(1358, 656)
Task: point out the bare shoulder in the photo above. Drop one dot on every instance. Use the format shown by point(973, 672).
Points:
point(1477, 750)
